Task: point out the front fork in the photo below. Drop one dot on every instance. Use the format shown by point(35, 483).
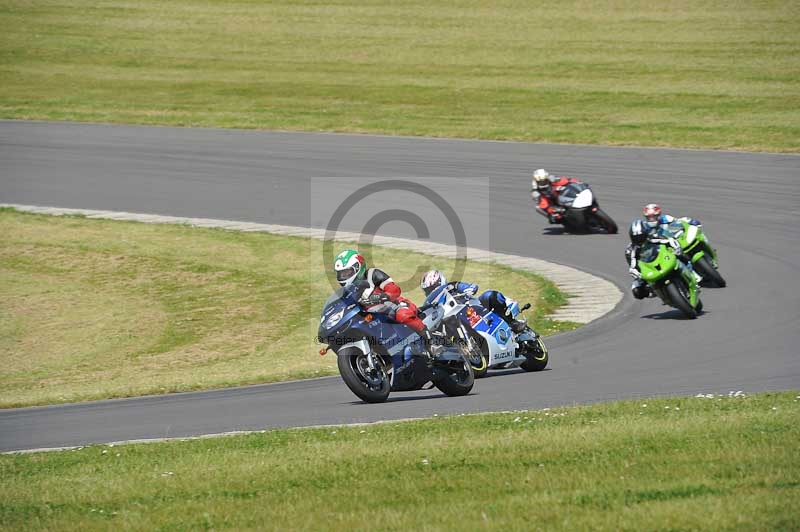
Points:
point(467, 345)
point(687, 275)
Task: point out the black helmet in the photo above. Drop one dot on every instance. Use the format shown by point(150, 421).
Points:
point(638, 231)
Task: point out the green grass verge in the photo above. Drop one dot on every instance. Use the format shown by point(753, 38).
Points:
point(699, 73)
point(725, 463)
point(93, 309)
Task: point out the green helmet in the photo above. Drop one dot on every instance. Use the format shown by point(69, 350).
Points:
point(349, 267)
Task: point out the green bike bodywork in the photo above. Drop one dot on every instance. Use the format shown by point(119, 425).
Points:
point(669, 279)
point(693, 241)
point(696, 246)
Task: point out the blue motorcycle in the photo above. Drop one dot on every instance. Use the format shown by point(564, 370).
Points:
point(490, 343)
point(370, 347)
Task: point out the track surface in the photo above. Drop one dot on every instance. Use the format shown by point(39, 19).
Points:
point(748, 339)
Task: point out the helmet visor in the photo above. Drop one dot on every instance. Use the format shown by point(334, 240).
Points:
point(347, 273)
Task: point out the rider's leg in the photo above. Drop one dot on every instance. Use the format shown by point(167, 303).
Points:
point(686, 264)
point(498, 303)
point(641, 290)
point(407, 315)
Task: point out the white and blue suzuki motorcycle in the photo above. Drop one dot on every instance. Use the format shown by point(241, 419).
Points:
point(490, 343)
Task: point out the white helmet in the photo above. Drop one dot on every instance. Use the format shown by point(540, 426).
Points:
point(432, 280)
point(541, 180)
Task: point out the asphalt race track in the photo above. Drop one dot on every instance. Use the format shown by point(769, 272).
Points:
point(748, 338)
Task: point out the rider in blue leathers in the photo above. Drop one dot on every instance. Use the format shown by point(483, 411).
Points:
point(656, 219)
point(491, 299)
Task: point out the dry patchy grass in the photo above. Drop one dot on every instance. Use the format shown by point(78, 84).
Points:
point(95, 308)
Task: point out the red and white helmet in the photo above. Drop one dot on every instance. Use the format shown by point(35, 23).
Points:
point(432, 280)
point(652, 213)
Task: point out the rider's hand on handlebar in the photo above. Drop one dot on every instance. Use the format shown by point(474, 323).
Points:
point(635, 273)
point(374, 299)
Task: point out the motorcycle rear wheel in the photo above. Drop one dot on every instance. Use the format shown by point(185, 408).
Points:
point(372, 386)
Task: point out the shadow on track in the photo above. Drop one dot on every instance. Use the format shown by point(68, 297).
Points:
point(553, 230)
point(393, 399)
point(672, 314)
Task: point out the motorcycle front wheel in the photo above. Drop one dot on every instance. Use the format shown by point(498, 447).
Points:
point(709, 272)
point(679, 299)
point(370, 385)
point(536, 355)
point(605, 221)
point(473, 350)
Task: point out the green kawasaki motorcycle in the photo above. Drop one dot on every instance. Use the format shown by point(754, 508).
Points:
point(669, 279)
point(695, 245)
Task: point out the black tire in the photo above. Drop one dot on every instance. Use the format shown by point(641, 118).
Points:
point(605, 221)
point(479, 367)
point(679, 300)
point(709, 272)
point(372, 387)
point(536, 357)
point(572, 228)
point(458, 381)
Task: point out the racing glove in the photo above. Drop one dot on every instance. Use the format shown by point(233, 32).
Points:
point(676, 247)
point(375, 299)
point(635, 273)
point(470, 290)
point(680, 254)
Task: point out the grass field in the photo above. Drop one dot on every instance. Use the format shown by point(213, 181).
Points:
point(699, 73)
point(721, 463)
point(93, 309)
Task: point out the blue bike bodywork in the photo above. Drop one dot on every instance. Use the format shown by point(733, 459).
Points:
point(371, 346)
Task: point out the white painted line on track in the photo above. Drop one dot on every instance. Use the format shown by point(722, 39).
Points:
point(590, 297)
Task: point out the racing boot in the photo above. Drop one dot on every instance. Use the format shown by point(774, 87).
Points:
point(518, 326)
point(432, 345)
